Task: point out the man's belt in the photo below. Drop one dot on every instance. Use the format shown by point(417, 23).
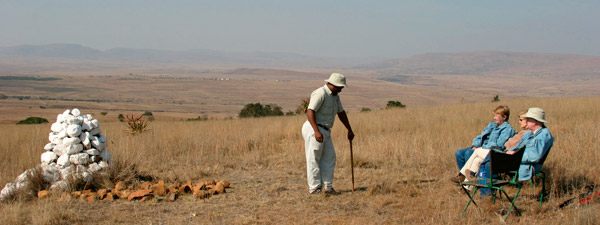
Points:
point(323, 126)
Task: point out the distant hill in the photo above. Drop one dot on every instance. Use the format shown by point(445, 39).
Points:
point(132, 55)
point(473, 63)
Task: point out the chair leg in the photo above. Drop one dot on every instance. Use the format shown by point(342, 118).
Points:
point(470, 198)
point(543, 176)
point(512, 201)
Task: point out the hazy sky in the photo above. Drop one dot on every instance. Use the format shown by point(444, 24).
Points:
point(319, 28)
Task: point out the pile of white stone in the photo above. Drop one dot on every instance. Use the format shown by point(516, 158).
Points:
point(77, 149)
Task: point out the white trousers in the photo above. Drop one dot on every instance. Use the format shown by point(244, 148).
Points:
point(320, 158)
point(475, 161)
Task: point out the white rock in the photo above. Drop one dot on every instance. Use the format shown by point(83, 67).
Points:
point(58, 185)
point(67, 112)
point(24, 176)
point(86, 125)
point(79, 159)
point(48, 157)
point(95, 123)
point(51, 174)
point(103, 164)
point(87, 177)
point(75, 112)
point(59, 149)
point(94, 167)
point(56, 127)
point(67, 172)
point(62, 134)
point(73, 149)
point(54, 139)
point(100, 146)
point(73, 130)
point(71, 141)
point(89, 117)
point(60, 118)
point(95, 131)
point(63, 161)
point(49, 146)
point(95, 158)
point(8, 190)
point(92, 151)
point(105, 155)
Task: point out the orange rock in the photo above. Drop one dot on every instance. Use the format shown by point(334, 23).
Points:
point(139, 194)
point(199, 186)
point(187, 188)
point(146, 185)
point(201, 194)
point(225, 183)
point(219, 188)
point(86, 191)
point(145, 198)
point(43, 194)
point(123, 194)
point(173, 190)
point(91, 198)
point(175, 185)
point(76, 194)
point(109, 197)
point(212, 191)
point(159, 189)
point(209, 182)
point(120, 186)
point(102, 193)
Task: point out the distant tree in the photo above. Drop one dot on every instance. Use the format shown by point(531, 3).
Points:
point(33, 120)
point(303, 106)
point(496, 98)
point(289, 113)
point(2, 96)
point(395, 104)
point(103, 113)
point(365, 109)
point(258, 110)
point(147, 113)
point(42, 107)
point(121, 117)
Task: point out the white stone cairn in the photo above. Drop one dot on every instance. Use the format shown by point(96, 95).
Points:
point(77, 149)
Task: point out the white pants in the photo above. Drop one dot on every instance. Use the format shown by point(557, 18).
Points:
point(475, 161)
point(320, 158)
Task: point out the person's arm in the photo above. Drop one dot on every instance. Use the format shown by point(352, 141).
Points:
point(344, 118)
point(313, 123)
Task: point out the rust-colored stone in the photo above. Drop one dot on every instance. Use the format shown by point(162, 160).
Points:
point(198, 186)
point(225, 183)
point(219, 188)
point(173, 190)
point(91, 198)
point(139, 194)
point(186, 188)
point(212, 191)
point(43, 194)
point(145, 185)
point(87, 191)
point(120, 186)
point(159, 189)
point(175, 185)
point(145, 198)
point(209, 182)
point(109, 197)
point(201, 194)
point(76, 194)
point(123, 194)
point(102, 193)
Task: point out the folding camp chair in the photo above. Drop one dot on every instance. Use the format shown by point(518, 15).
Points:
point(541, 174)
point(499, 163)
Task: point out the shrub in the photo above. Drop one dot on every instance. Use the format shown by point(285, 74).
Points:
point(365, 109)
point(33, 120)
point(258, 110)
point(199, 118)
point(395, 104)
point(136, 125)
point(103, 113)
point(496, 98)
point(121, 117)
point(303, 106)
point(147, 113)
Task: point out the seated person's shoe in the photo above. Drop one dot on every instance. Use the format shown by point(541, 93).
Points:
point(470, 175)
point(316, 191)
point(458, 179)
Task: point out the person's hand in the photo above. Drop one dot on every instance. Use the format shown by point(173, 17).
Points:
point(319, 136)
point(350, 135)
point(510, 152)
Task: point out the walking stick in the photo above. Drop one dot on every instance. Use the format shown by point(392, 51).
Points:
point(352, 165)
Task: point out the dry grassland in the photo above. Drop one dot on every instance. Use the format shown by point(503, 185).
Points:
point(403, 159)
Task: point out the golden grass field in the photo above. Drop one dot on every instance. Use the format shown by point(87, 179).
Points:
point(403, 161)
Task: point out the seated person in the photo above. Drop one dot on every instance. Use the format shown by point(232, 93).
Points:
point(471, 167)
point(537, 141)
point(494, 134)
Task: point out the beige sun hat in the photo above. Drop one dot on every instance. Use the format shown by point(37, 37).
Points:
point(536, 114)
point(337, 79)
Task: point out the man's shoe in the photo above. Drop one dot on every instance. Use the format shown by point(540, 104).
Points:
point(316, 191)
point(332, 192)
point(470, 175)
point(458, 179)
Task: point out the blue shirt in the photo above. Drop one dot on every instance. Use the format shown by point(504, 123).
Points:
point(494, 135)
point(536, 146)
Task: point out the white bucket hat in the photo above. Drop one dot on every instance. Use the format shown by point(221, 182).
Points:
point(337, 79)
point(536, 114)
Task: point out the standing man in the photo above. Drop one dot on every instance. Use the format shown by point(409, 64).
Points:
point(320, 154)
